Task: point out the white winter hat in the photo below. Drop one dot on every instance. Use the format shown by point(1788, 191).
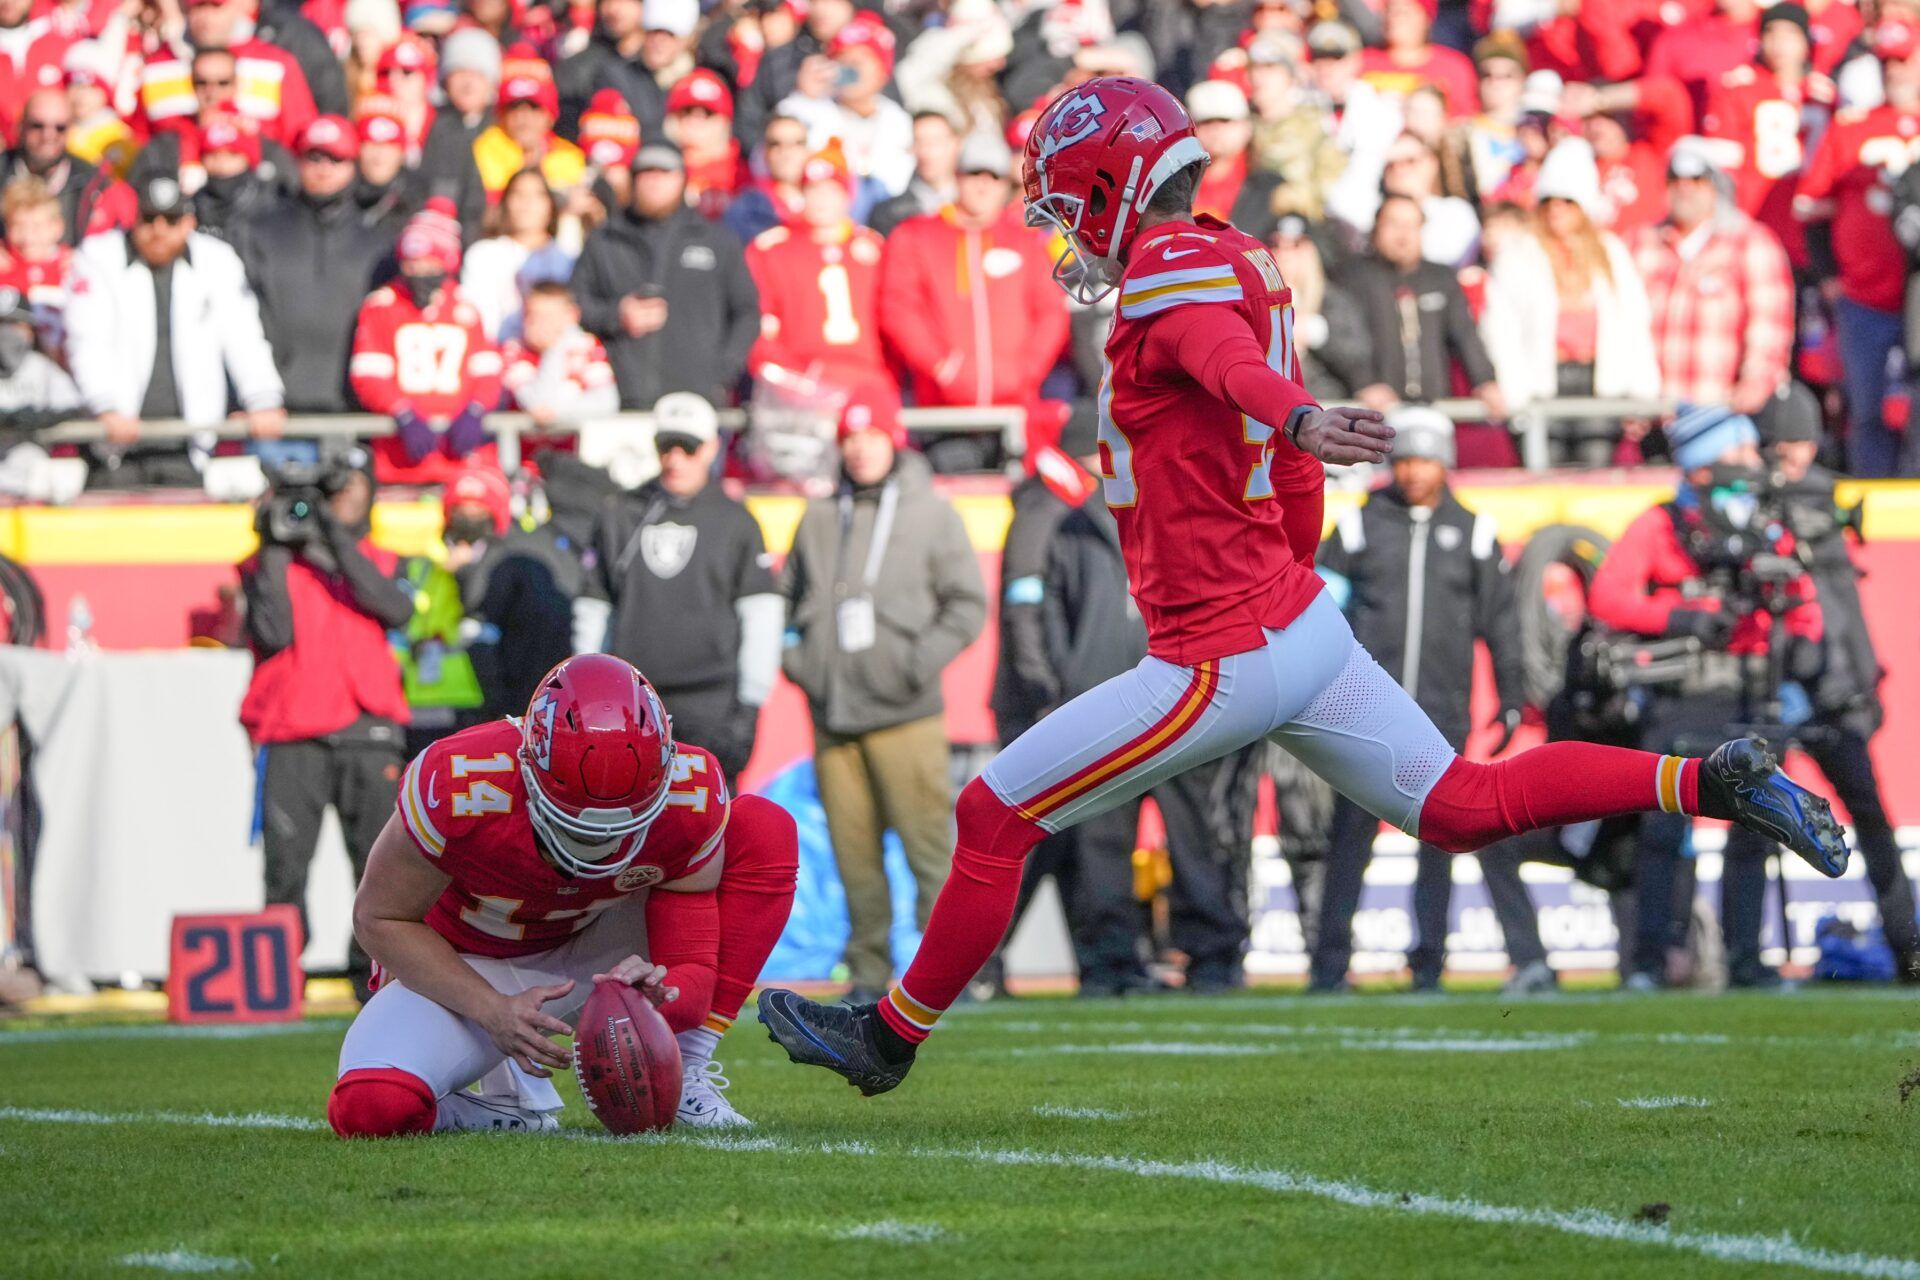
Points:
point(377, 17)
point(1570, 173)
point(677, 17)
point(1216, 100)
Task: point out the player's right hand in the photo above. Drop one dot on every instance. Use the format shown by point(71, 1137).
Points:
point(520, 1030)
point(650, 978)
point(1345, 436)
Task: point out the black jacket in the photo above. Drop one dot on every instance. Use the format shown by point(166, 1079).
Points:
point(1094, 630)
point(447, 169)
point(1025, 684)
point(673, 569)
point(1848, 689)
point(284, 25)
point(600, 66)
point(1420, 588)
point(1420, 324)
point(713, 308)
point(523, 587)
point(313, 264)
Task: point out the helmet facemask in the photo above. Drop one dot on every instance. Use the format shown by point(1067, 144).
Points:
point(589, 845)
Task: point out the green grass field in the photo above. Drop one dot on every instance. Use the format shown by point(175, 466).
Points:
point(1589, 1135)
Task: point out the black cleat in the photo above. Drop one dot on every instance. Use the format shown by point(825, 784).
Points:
point(841, 1039)
point(1741, 781)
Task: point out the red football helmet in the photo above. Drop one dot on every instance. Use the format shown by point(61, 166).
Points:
point(596, 751)
point(1095, 157)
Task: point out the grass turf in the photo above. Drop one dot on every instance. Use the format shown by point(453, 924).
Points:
point(1488, 1105)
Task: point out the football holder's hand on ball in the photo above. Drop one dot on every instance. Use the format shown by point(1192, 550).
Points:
point(626, 1060)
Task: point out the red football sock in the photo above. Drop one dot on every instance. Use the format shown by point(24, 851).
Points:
point(756, 896)
point(971, 914)
point(1474, 805)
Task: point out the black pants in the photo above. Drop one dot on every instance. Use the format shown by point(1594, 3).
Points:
point(360, 780)
point(710, 716)
point(1580, 442)
point(1348, 857)
point(1842, 755)
point(1209, 817)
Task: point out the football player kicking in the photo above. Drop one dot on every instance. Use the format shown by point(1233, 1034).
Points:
point(1211, 457)
point(528, 859)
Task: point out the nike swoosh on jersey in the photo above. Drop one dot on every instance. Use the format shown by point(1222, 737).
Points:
point(1171, 254)
point(433, 801)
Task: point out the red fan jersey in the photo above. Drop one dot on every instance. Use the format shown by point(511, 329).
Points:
point(1850, 178)
point(1774, 126)
point(1196, 487)
point(465, 804)
point(44, 286)
point(818, 309)
point(435, 361)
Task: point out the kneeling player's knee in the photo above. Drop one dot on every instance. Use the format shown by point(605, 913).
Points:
point(380, 1103)
point(990, 829)
point(762, 843)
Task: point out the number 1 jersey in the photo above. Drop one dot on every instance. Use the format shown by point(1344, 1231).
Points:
point(1196, 486)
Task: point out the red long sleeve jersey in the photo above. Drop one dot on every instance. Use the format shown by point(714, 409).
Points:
point(435, 360)
point(1850, 179)
point(819, 304)
point(1196, 486)
point(1775, 127)
point(464, 803)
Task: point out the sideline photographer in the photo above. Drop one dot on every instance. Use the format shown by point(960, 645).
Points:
point(1717, 570)
point(325, 704)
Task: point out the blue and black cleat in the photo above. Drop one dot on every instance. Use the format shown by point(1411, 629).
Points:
point(843, 1039)
point(1742, 782)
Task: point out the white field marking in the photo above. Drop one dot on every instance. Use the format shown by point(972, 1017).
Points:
point(204, 1119)
point(1167, 1048)
point(1664, 1102)
point(1781, 1250)
point(184, 1260)
point(1573, 1038)
point(168, 1031)
point(1056, 1112)
point(894, 1232)
point(1467, 1044)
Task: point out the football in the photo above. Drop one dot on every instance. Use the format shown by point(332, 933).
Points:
point(626, 1060)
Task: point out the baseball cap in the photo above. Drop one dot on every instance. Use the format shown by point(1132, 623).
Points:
point(685, 417)
point(329, 135)
point(1788, 12)
point(865, 30)
point(829, 164)
point(537, 90)
point(1216, 100)
point(1271, 51)
point(664, 156)
point(873, 407)
point(1695, 157)
point(1500, 44)
point(409, 53)
point(676, 17)
point(701, 88)
point(1332, 40)
point(1895, 40)
point(378, 118)
point(1420, 432)
point(162, 198)
point(222, 134)
point(483, 487)
point(984, 152)
point(1790, 416)
point(609, 134)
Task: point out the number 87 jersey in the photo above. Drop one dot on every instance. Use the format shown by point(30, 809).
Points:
point(464, 803)
point(1197, 487)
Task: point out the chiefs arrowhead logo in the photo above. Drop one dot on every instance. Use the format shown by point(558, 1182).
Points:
point(639, 878)
point(540, 731)
point(1077, 120)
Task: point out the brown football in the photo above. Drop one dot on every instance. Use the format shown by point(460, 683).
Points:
point(626, 1060)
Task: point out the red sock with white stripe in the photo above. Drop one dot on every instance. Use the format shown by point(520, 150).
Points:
point(1553, 785)
point(969, 917)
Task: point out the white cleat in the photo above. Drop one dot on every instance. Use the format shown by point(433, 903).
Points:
point(470, 1112)
point(703, 1103)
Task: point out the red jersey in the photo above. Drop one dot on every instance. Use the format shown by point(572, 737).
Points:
point(464, 802)
point(1636, 186)
point(31, 57)
point(269, 88)
point(1700, 52)
point(44, 286)
point(819, 308)
point(1447, 69)
point(1850, 179)
point(1774, 126)
point(1196, 487)
point(434, 361)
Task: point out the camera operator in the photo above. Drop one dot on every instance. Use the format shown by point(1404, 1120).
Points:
point(325, 703)
point(1713, 567)
point(1846, 698)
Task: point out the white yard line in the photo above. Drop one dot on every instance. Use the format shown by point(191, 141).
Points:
point(893, 1232)
point(1054, 1111)
point(169, 1031)
point(185, 1260)
point(202, 1120)
point(1664, 1102)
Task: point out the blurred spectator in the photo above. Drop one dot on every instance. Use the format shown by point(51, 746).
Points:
point(37, 261)
point(819, 283)
point(1364, 119)
point(437, 670)
point(1410, 59)
point(325, 703)
point(1719, 288)
point(1774, 111)
point(792, 34)
point(91, 200)
point(967, 299)
point(470, 83)
point(774, 199)
point(174, 151)
point(35, 393)
point(283, 24)
point(1848, 185)
point(628, 38)
point(99, 135)
point(1450, 231)
point(700, 122)
point(1702, 50)
point(268, 86)
point(883, 592)
point(610, 136)
point(679, 585)
point(875, 131)
point(1491, 137)
point(312, 258)
point(516, 586)
point(955, 69)
point(524, 137)
point(936, 155)
point(658, 258)
point(161, 321)
point(406, 70)
point(369, 26)
point(556, 371)
point(520, 251)
point(233, 188)
point(421, 357)
point(1290, 133)
point(1230, 188)
point(1566, 312)
point(1418, 318)
point(36, 53)
point(1329, 332)
point(1633, 175)
point(384, 186)
point(417, 153)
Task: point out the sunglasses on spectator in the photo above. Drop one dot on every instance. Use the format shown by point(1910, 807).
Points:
point(786, 142)
point(43, 126)
point(168, 219)
point(323, 157)
point(208, 83)
point(664, 445)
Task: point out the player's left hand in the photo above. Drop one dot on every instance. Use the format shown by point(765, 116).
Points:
point(638, 971)
point(1345, 436)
